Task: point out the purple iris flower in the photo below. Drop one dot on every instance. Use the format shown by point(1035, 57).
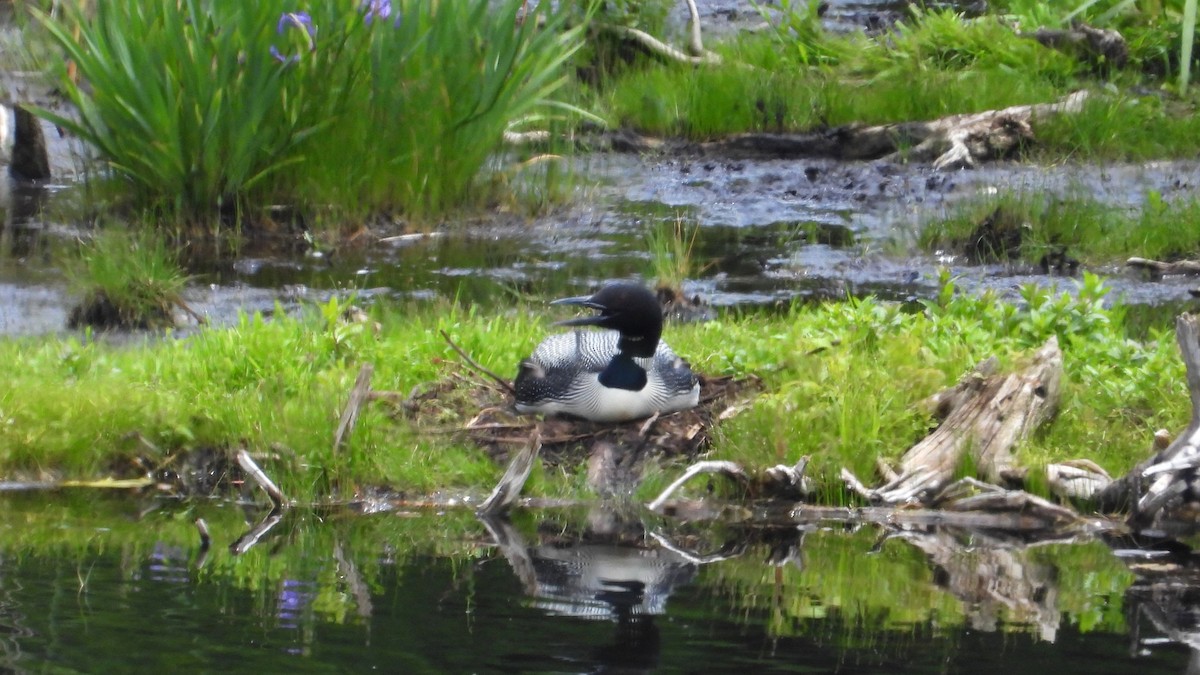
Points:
point(378, 9)
point(299, 20)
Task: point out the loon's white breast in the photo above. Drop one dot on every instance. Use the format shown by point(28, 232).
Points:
point(562, 376)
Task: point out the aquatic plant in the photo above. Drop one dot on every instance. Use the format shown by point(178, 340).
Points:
point(197, 108)
point(125, 280)
point(671, 253)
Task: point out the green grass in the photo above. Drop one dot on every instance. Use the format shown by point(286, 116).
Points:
point(127, 279)
point(1094, 232)
point(801, 79)
point(842, 384)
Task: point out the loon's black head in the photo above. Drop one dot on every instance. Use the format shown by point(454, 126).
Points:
point(626, 307)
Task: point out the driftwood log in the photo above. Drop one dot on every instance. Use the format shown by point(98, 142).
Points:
point(1098, 46)
point(30, 160)
point(1164, 490)
point(985, 414)
point(953, 142)
point(1158, 269)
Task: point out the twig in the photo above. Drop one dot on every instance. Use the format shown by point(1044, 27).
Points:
point(504, 384)
point(252, 469)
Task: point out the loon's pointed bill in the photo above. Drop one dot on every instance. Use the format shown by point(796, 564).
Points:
point(620, 374)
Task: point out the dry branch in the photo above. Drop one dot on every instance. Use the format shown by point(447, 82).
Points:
point(262, 479)
point(696, 53)
point(30, 160)
point(504, 384)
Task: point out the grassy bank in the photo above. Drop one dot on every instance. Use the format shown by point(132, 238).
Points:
point(797, 77)
point(842, 381)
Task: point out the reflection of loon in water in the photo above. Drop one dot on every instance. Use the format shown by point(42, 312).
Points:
point(602, 580)
point(605, 578)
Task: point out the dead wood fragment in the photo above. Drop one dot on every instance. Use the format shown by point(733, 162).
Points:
point(348, 573)
point(359, 394)
point(262, 479)
point(508, 490)
point(696, 53)
point(777, 482)
point(1158, 269)
point(1077, 478)
point(659, 48)
point(952, 142)
point(1099, 46)
point(731, 470)
point(1164, 488)
point(989, 416)
point(996, 581)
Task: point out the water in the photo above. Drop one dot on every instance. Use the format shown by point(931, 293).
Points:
point(98, 583)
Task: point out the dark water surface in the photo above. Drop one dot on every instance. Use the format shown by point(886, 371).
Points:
point(90, 583)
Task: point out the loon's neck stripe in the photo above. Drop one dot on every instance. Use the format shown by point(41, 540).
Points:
point(623, 373)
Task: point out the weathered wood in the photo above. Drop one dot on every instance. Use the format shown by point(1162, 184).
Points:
point(508, 490)
point(731, 470)
point(262, 479)
point(1077, 478)
point(1158, 269)
point(696, 54)
point(1099, 46)
point(1157, 486)
point(989, 416)
point(255, 534)
point(951, 142)
point(359, 394)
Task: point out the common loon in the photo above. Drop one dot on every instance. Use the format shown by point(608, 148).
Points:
point(615, 375)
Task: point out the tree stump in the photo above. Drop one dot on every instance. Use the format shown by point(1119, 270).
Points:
point(1164, 490)
point(987, 415)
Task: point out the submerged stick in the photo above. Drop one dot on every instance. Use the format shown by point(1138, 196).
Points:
point(504, 384)
point(262, 479)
